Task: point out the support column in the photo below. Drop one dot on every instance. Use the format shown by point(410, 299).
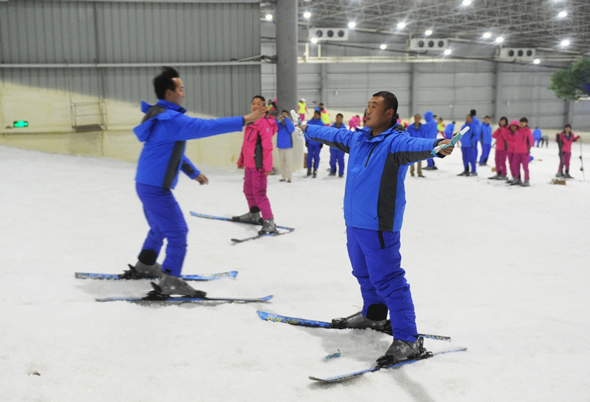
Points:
point(286, 17)
point(414, 93)
point(323, 81)
point(498, 92)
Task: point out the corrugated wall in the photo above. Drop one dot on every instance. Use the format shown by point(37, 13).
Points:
point(33, 32)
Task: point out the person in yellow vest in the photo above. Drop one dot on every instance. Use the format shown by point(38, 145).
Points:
point(440, 126)
point(324, 113)
point(302, 109)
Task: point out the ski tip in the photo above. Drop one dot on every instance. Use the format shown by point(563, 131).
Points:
point(266, 298)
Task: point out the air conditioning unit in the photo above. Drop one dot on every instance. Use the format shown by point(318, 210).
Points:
point(329, 33)
point(429, 44)
point(517, 53)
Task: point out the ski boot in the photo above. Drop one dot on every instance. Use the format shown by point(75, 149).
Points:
point(142, 271)
point(268, 227)
point(172, 285)
point(567, 175)
point(516, 182)
point(251, 217)
point(358, 321)
point(525, 183)
point(402, 350)
point(315, 173)
point(308, 172)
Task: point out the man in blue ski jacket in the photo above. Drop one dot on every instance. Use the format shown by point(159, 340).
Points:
point(430, 132)
point(449, 129)
point(285, 145)
point(164, 131)
point(416, 130)
point(374, 203)
point(337, 155)
point(486, 141)
point(476, 135)
point(468, 147)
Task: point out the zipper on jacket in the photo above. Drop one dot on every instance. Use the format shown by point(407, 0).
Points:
point(370, 153)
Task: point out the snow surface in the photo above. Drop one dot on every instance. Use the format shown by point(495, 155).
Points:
point(503, 270)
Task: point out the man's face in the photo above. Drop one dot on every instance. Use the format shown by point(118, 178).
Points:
point(339, 119)
point(317, 116)
point(469, 118)
point(486, 120)
point(523, 124)
point(417, 119)
point(176, 96)
point(257, 104)
point(377, 115)
point(321, 106)
point(285, 114)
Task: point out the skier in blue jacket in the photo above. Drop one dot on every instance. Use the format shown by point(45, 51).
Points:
point(314, 147)
point(449, 129)
point(416, 130)
point(285, 145)
point(430, 131)
point(337, 155)
point(486, 141)
point(475, 136)
point(164, 131)
point(468, 147)
point(374, 203)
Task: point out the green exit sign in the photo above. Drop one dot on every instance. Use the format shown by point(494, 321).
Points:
point(21, 123)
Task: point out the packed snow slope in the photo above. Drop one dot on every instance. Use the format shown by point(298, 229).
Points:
point(503, 270)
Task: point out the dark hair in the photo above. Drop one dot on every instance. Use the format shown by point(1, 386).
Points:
point(317, 112)
point(524, 119)
point(340, 114)
point(259, 97)
point(453, 121)
point(567, 125)
point(487, 117)
point(503, 118)
point(321, 104)
point(164, 82)
point(473, 112)
point(284, 111)
point(390, 103)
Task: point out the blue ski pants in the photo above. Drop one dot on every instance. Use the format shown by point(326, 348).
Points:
point(469, 156)
point(376, 264)
point(313, 153)
point(166, 221)
point(485, 153)
point(336, 155)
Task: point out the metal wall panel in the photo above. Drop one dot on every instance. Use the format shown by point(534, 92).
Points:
point(40, 32)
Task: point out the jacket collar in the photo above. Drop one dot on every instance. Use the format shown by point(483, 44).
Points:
point(172, 106)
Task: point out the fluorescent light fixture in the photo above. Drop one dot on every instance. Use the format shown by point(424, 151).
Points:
point(383, 46)
point(448, 52)
point(307, 15)
point(565, 43)
point(314, 40)
point(401, 25)
point(562, 14)
point(428, 32)
point(268, 17)
point(536, 61)
point(499, 39)
point(352, 24)
point(487, 35)
point(466, 2)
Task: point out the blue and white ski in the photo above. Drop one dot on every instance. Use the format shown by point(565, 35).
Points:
point(302, 322)
point(221, 218)
point(149, 299)
point(120, 277)
point(354, 374)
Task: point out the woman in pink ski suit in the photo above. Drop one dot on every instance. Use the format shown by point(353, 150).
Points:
point(256, 158)
point(523, 141)
point(565, 140)
point(501, 149)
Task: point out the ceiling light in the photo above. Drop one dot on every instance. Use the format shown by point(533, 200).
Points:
point(499, 39)
point(307, 15)
point(448, 52)
point(536, 61)
point(268, 17)
point(487, 35)
point(352, 24)
point(466, 2)
point(383, 46)
point(428, 32)
point(401, 25)
point(314, 40)
point(562, 14)
point(565, 43)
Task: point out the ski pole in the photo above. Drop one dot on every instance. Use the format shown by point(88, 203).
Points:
point(582, 161)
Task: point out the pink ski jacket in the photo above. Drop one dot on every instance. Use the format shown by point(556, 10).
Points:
point(566, 142)
point(523, 140)
point(257, 146)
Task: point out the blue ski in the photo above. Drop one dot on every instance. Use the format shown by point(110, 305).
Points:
point(186, 299)
point(119, 277)
point(322, 324)
point(354, 374)
point(221, 218)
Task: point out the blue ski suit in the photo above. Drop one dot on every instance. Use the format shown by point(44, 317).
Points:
point(164, 132)
point(469, 147)
point(486, 142)
point(337, 156)
point(313, 147)
point(374, 203)
point(475, 137)
point(430, 131)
